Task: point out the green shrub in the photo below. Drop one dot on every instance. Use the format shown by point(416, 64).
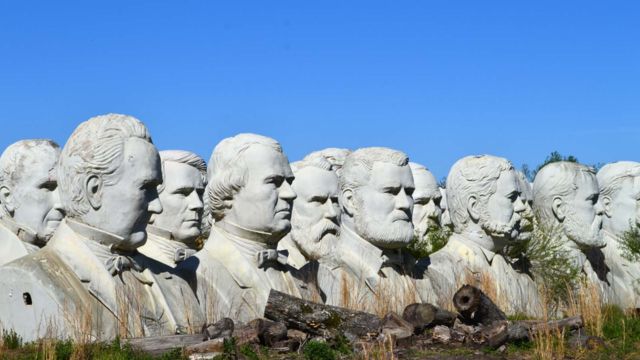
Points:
point(435, 240)
point(316, 350)
point(630, 243)
point(11, 339)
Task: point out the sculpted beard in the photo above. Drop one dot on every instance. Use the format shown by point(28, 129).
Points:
point(582, 235)
point(500, 230)
point(424, 226)
point(315, 240)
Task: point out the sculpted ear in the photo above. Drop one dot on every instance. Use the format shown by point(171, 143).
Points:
point(558, 208)
point(93, 191)
point(6, 200)
point(348, 202)
point(606, 206)
point(472, 208)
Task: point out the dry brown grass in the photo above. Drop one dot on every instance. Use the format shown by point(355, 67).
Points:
point(385, 298)
point(379, 350)
point(586, 301)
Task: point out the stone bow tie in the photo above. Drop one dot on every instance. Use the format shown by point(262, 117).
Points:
point(119, 263)
point(266, 258)
point(182, 254)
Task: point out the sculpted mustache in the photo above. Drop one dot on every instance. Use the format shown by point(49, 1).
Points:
point(325, 227)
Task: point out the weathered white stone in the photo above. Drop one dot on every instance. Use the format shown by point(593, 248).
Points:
point(368, 269)
point(445, 218)
point(526, 195)
point(485, 206)
point(172, 234)
point(426, 202)
point(89, 282)
point(565, 199)
point(250, 198)
point(30, 208)
point(619, 185)
point(315, 214)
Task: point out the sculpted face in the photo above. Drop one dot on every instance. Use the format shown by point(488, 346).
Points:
point(426, 203)
point(126, 206)
point(181, 201)
point(264, 203)
point(583, 214)
point(502, 217)
point(526, 223)
point(384, 206)
point(34, 200)
point(445, 218)
point(316, 211)
point(623, 208)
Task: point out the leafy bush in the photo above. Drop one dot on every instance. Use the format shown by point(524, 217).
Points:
point(630, 243)
point(435, 240)
point(545, 259)
point(316, 350)
point(11, 340)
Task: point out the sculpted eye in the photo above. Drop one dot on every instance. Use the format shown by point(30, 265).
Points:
point(49, 185)
point(421, 201)
point(409, 191)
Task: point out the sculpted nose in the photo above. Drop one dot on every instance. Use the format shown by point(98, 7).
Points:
point(286, 192)
point(195, 202)
point(404, 201)
point(599, 208)
point(518, 206)
point(155, 206)
point(332, 211)
point(55, 198)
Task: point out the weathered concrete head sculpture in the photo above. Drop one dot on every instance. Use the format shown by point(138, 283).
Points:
point(334, 156)
point(108, 175)
point(620, 196)
point(316, 212)
point(445, 218)
point(184, 178)
point(376, 186)
point(565, 195)
point(249, 191)
point(483, 198)
point(526, 195)
point(28, 187)
point(426, 201)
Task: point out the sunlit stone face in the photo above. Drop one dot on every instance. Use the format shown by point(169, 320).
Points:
point(583, 214)
point(426, 203)
point(385, 205)
point(32, 197)
point(526, 195)
point(181, 200)
point(314, 219)
point(127, 205)
point(265, 201)
point(502, 217)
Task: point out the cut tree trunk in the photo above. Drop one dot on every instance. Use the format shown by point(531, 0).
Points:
point(320, 320)
point(423, 316)
point(159, 345)
point(475, 307)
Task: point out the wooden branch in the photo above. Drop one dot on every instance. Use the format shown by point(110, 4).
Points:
point(318, 319)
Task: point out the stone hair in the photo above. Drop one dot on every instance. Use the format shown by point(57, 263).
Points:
point(334, 156)
point(227, 170)
point(472, 175)
point(96, 148)
point(14, 156)
point(357, 167)
point(183, 157)
point(319, 162)
point(612, 175)
point(557, 179)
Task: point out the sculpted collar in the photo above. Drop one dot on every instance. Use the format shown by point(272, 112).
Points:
point(94, 234)
point(22, 232)
point(260, 253)
point(467, 241)
point(364, 259)
point(243, 232)
point(164, 240)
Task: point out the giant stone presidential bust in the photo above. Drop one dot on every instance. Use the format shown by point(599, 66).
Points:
point(368, 269)
point(172, 234)
point(565, 200)
point(315, 217)
point(426, 204)
point(89, 280)
point(485, 206)
point(250, 198)
point(619, 184)
point(30, 208)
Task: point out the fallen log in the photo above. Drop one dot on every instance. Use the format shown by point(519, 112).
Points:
point(501, 332)
point(158, 345)
point(320, 320)
point(475, 307)
point(423, 316)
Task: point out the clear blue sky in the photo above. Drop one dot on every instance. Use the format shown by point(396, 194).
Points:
point(437, 79)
